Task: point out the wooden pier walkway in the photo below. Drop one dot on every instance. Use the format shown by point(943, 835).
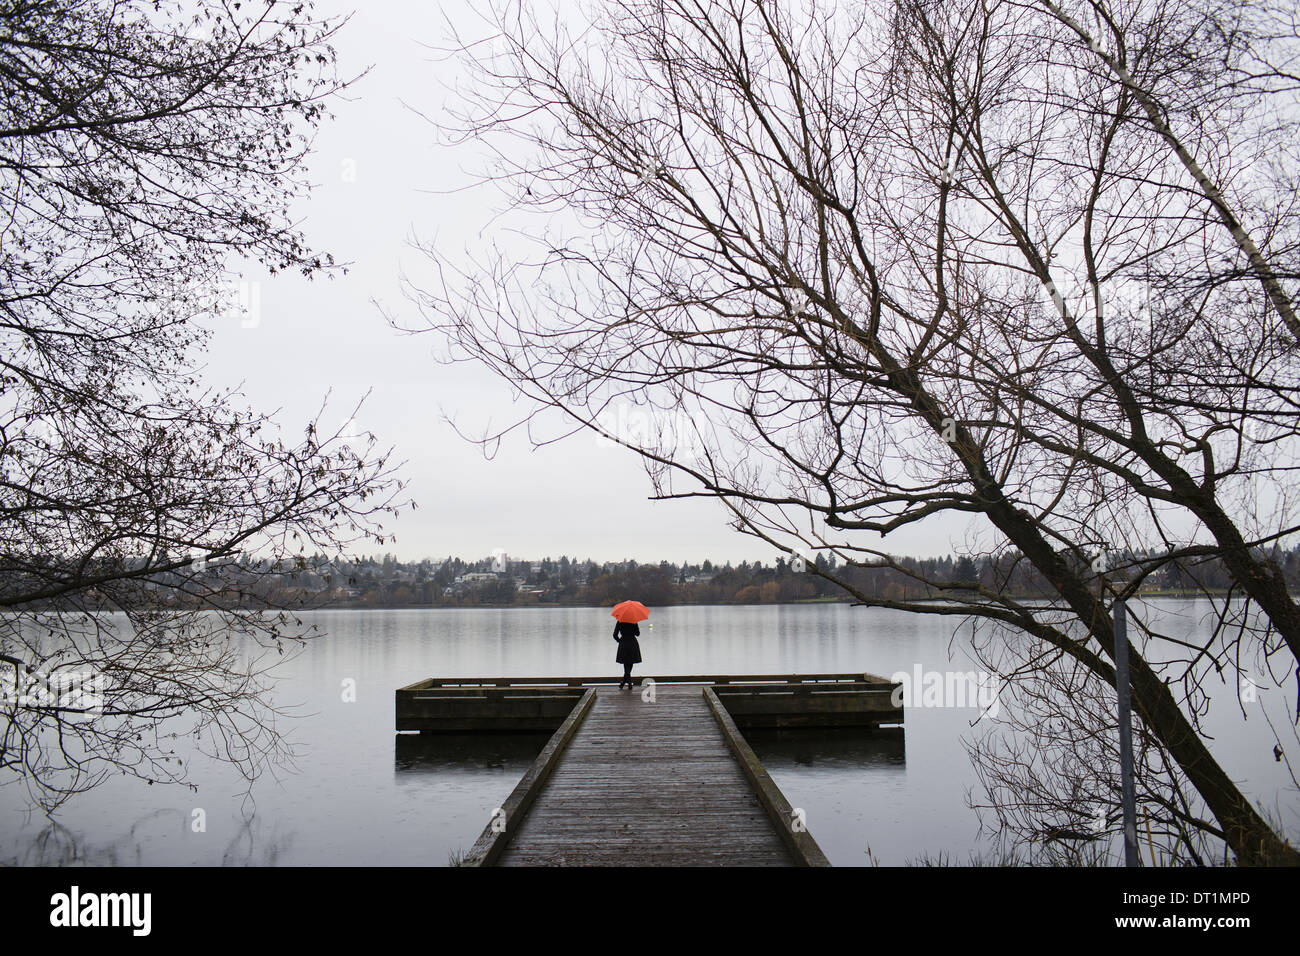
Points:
point(647, 784)
point(659, 775)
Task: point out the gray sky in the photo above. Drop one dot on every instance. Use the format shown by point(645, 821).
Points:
point(382, 179)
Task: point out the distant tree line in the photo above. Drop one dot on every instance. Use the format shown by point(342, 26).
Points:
point(378, 581)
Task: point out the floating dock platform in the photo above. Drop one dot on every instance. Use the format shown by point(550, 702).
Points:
point(659, 775)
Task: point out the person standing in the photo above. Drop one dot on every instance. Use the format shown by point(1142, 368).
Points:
point(629, 650)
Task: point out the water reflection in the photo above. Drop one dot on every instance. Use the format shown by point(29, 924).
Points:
point(256, 842)
point(844, 749)
point(351, 800)
point(853, 788)
point(441, 753)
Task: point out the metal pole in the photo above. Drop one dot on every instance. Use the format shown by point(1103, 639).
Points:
point(1125, 736)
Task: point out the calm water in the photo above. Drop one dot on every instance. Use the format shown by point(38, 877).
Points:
point(362, 795)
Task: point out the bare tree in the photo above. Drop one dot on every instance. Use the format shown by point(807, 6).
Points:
point(872, 268)
point(1048, 763)
point(145, 148)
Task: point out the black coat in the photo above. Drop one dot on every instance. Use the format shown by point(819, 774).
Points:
point(629, 651)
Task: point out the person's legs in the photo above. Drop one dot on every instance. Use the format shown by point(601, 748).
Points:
point(627, 676)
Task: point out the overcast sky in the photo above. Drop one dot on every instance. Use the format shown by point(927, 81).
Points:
point(382, 179)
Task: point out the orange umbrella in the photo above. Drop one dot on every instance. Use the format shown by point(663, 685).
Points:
point(629, 612)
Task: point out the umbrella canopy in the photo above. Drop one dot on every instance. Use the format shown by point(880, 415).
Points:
point(629, 612)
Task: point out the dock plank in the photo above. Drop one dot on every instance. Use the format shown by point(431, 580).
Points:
point(647, 783)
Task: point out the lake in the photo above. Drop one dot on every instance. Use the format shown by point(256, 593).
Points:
point(362, 795)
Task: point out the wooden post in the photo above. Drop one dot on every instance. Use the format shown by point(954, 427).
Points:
point(1127, 796)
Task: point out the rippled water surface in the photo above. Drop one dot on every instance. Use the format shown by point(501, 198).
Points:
point(361, 794)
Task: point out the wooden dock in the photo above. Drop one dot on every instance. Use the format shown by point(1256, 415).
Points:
point(659, 775)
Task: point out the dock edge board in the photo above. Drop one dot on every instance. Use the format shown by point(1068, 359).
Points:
point(496, 835)
point(803, 848)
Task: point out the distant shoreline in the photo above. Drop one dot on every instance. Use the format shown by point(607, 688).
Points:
point(499, 607)
point(818, 600)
